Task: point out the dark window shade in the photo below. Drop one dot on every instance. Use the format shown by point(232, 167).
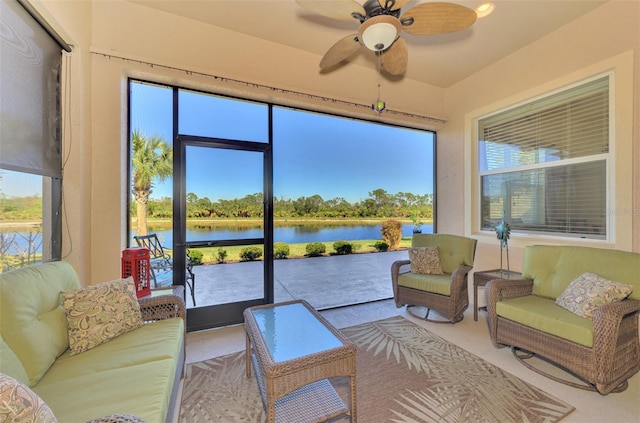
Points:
point(29, 94)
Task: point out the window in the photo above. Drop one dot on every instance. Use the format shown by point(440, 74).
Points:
point(544, 164)
point(30, 146)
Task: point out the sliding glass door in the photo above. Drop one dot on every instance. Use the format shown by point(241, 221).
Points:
point(224, 179)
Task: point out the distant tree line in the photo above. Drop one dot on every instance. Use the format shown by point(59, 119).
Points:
point(21, 208)
point(379, 204)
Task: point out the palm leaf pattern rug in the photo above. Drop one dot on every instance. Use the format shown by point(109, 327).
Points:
point(405, 374)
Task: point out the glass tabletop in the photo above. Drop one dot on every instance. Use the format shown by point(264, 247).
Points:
point(503, 274)
point(291, 331)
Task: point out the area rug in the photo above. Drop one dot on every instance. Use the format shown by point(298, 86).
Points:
point(405, 374)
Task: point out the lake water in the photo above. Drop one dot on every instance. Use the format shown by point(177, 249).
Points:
point(298, 234)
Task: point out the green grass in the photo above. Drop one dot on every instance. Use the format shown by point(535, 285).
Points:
point(295, 250)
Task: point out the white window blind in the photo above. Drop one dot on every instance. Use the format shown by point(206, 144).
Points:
point(545, 163)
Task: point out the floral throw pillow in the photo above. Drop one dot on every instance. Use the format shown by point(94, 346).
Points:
point(18, 403)
point(98, 313)
point(589, 291)
point(425, 260)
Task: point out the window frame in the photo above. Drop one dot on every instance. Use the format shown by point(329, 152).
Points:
point(563, 102)
point(50, 170)
point(473, 185)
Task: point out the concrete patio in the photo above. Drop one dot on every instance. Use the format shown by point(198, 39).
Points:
point(325, 282)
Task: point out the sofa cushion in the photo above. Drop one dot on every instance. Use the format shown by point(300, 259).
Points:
point(439, 284)
point(425, 261)
point(99, 313)
point(553, 267)
point(10, 364)
point(32, 320)
point(590, 291)
point(545, 315)
point(131, 374)
point(18, 403)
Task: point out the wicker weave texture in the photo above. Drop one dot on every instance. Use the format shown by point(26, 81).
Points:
point(452, 307)
point(614, 357)
point(118, 418)
point(278, 380)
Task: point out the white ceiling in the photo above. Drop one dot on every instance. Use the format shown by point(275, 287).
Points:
point(440, 60)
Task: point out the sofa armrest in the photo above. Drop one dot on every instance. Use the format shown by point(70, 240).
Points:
point(609, 321)
point(397, 269)
point(162, 307)
point(499, 289)
point(459, 278)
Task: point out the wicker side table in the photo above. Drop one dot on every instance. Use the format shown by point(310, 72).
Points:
point(481, 278)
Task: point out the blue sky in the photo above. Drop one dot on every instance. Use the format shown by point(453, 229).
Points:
point(313, 153)
point(15, 184)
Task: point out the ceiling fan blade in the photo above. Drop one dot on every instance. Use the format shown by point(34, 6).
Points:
point(438, 18)
point(392, 4)
point(395, 58)
point(340, 51)
point(336, 9)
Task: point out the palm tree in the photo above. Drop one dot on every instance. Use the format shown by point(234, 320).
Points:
point(152, 160)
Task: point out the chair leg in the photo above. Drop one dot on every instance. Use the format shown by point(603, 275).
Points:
point(191, 283)
point(522, 356)
point(426, 316)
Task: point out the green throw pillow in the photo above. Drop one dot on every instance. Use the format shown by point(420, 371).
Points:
point(101, 312)
point(589, 291)
point(425, 260)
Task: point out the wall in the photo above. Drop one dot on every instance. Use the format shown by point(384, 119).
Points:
point(607, 38)
point(123, 40)
point(105, 32)
point(72, 20)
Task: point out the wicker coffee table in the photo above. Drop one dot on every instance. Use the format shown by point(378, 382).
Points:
point(294, 351)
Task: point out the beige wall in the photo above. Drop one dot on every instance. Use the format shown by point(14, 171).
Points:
point(73, 21)
point(113, 37)
point(605, 40)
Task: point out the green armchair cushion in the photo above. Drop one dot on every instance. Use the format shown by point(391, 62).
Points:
point(553, 267)
point(543, 314)
point(454, 250)
point(99, 313)
point(438, 284)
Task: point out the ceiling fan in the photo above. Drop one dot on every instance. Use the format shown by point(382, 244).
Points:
point(381, 23)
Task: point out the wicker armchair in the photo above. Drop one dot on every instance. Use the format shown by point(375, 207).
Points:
point(447, 294)
point(516, 307)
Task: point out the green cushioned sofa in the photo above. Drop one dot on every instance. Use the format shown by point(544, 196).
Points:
point(603, 351)
point(137, 373)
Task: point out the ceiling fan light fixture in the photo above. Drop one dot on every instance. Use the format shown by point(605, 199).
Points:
point(379, 32)
point(485, 9)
